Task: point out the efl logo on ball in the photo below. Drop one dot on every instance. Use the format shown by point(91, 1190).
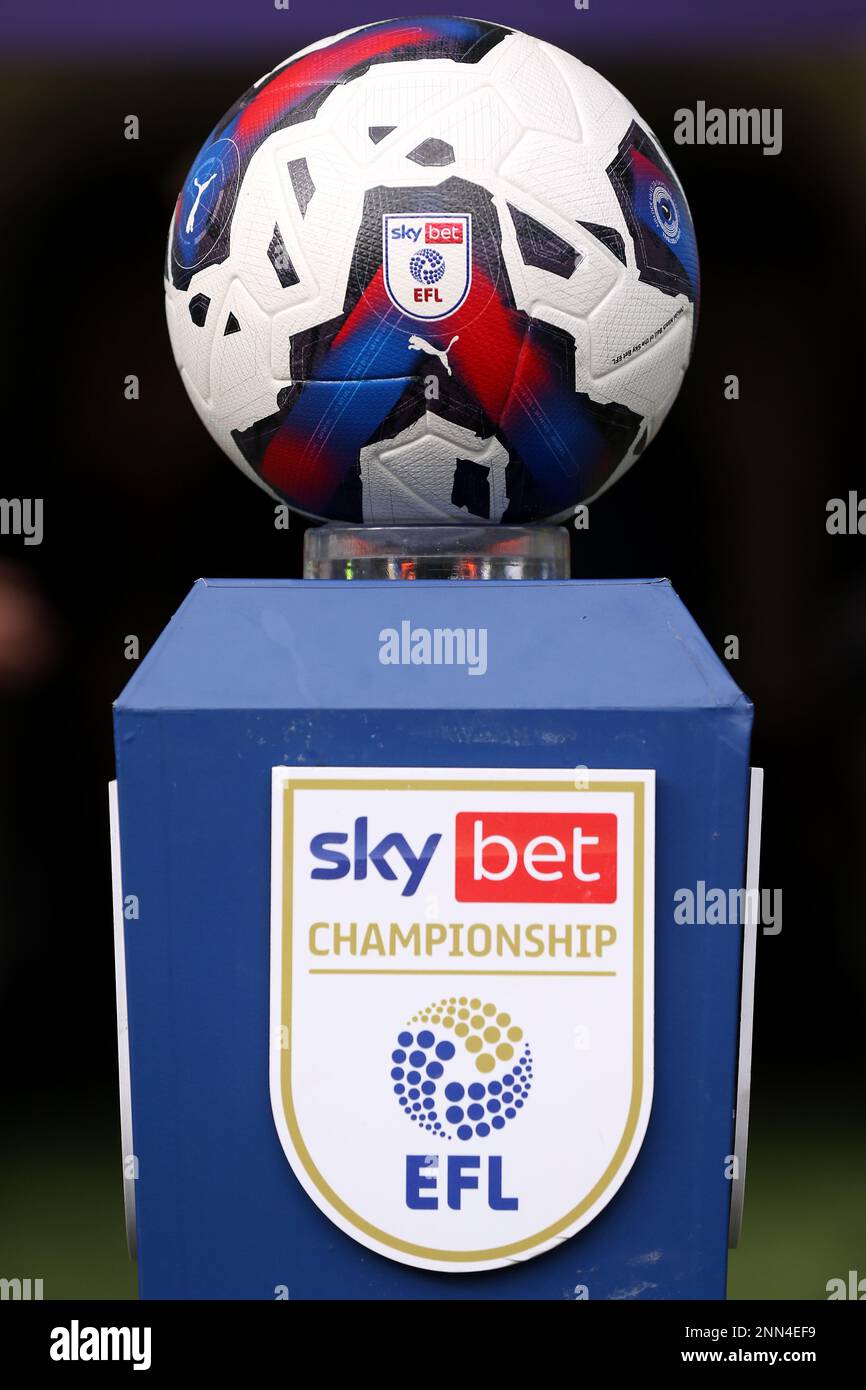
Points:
point(427, 262)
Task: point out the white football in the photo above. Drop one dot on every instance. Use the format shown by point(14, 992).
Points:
point(432, 270)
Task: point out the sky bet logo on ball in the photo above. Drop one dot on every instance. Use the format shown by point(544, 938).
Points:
point(428, 262)
point(461, 1001)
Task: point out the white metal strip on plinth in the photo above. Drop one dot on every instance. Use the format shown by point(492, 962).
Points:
point(747, 1004)
point(129, 1161)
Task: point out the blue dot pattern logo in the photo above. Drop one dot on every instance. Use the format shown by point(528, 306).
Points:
point(427, 265)
point(436, 1063)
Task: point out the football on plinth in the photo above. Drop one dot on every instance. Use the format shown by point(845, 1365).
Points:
point(432, 271)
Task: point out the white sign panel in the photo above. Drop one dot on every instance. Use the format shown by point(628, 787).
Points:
point(461, 1001)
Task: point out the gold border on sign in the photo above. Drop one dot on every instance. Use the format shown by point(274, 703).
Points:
point(519, 1247)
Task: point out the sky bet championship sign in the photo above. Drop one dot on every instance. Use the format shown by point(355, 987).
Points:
point(461, 1001)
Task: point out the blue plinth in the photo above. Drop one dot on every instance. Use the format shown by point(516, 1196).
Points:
point(249, 676)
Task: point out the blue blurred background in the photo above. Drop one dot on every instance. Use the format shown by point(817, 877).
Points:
point(730, 503)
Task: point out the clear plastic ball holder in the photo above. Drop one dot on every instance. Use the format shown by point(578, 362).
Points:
point(436, 552)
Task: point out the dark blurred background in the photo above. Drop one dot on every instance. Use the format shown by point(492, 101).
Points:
point(138, 502)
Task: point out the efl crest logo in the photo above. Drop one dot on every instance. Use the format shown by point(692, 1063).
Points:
point(459, 1089)
point(428, 262)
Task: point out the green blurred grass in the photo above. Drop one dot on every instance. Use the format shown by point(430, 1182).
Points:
point(804, 1219)
point(61, 1211)
point(805, 1214)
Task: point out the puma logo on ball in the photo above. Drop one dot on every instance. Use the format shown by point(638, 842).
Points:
point(421, 345)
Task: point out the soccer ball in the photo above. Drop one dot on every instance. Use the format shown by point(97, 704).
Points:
point(432, 270)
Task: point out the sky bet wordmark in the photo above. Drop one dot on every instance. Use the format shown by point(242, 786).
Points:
point(520, 868)
point(323, 847)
